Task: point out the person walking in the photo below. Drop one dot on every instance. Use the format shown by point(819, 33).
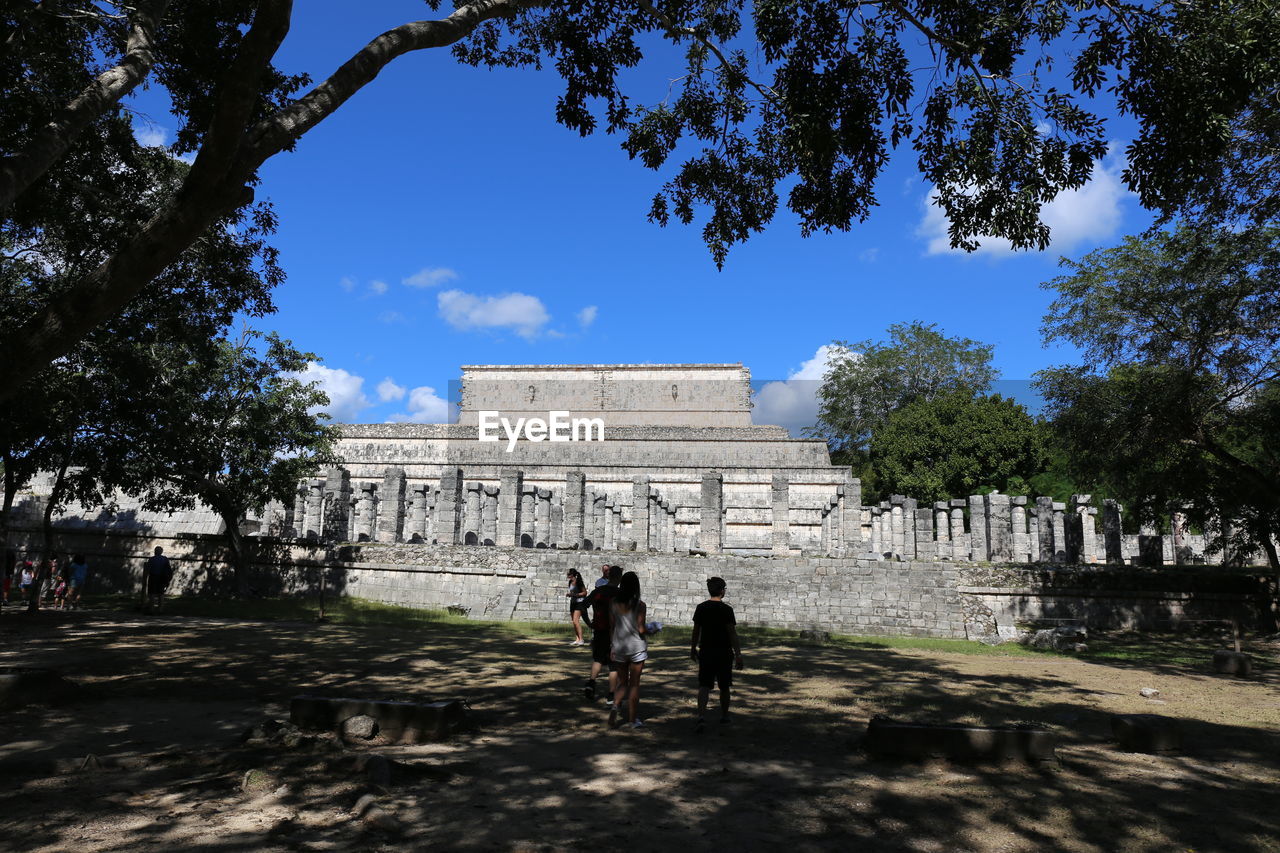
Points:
point(630, 649)
point(79, 576)
point(576, 593)
point(601, 639)
point(715, 648)
point(156, 575)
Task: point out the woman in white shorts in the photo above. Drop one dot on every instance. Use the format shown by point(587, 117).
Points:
point(630, 649)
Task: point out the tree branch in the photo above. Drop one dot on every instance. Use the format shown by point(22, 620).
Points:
point(48, 144)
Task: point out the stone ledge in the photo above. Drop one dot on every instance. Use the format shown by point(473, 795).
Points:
point(399, 722)
point(886, 738)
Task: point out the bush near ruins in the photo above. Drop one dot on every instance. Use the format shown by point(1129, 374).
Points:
point(812, 96)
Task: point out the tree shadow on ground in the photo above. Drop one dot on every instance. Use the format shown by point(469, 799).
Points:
point(542, 770)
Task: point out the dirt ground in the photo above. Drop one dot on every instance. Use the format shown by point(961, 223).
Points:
point(165, 700)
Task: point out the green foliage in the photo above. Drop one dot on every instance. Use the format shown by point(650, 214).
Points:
point(868, 381)
point(956, 445)
point(1179, 402)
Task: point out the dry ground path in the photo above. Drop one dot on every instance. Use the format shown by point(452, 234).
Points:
point(165, 700)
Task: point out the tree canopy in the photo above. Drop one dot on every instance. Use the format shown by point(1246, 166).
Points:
point(866, 382)
point(957, 444)
point(806, 99)
point(1178, 403)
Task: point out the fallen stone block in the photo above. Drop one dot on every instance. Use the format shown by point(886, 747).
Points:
point(1149, 733)
point(398, 722)
point(377, 769)
point(887, 738)
point(1148, 693)
point(260, 782)
point(1229, 662)
point(815, 635)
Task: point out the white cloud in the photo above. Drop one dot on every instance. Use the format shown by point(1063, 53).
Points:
point(793, 403)
point(346, 391)
point(347, 283)
point(520, 312)
point(1090, 214)
point(392, 318)
point(869, 256)
point(587, 316)
point(150, 135)
point(425, 407)
point(377, 288)
point(430, 277)
point(388, 390)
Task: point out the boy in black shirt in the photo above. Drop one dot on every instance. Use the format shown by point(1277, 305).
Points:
point(714, 628)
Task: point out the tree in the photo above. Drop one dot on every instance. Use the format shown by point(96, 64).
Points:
point(1178, 403)
point(809, 95)
point(957, 444)
point(866, 382)
point(234, 428)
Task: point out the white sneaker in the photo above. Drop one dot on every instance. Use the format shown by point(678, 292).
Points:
point(637, 724)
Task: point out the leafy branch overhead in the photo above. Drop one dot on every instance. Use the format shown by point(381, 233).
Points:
point(805, 99)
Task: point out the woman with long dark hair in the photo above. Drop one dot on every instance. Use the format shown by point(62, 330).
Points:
point(630, 648)
point(577, 592)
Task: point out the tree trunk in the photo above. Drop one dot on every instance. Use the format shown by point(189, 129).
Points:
point(235, 543)
point(44, 574)
point(1272, 609)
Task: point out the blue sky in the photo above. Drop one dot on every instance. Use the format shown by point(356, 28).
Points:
point(441, 217)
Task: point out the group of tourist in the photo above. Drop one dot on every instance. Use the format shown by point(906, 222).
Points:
point(44, 582)
point(620, 645)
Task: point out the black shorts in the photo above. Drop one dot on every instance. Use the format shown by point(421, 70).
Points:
point(600, 642)
point(715, 667)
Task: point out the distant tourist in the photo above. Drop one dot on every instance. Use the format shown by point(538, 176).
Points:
point(79, 575)
point(715, 647)
point(601, 640)
point(26, 578)
point(156, 575)
point(10, 566)
point(630, 649)
point(604, 576)
point(576, 594)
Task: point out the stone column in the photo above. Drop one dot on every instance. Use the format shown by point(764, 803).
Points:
point(489, 527)
point(1018, 518)
point(313, 517)
point(780, 499)
point(510, 493)
point(300, 510)
point(574, 508)
point(925, 549)
point(941, 530)
point(1111, 531)
point(979, 546)
point(557, 523)
point(1150, 546)
point(1088, 533)
point(877, 532)
point(447, 519)
point(999, 527)
point(475, 503)
point(337, 504)
point(640, 512)
point(1033, 535)
point(595, 520)
point(610, 526)
point(1074, 525)
point(851, 517)
point(391, 517)
point(897, 526)
point(1178, 527)
point(419, 497)
point(364, 512)
point(525, 529)
point(960, 544)
point(909, 507)
point(824, 534)
point(1059, 532)
point(1044, 527)
point(542, 519)
point(710, 530)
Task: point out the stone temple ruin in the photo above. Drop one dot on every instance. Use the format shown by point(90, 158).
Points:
point(686, 486)
point(681, 468)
